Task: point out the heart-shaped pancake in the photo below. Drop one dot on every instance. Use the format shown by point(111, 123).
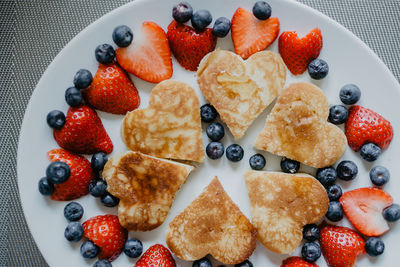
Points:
point(170, 127)
point(281, 204)
point(146, 187)
point(240, 90)
point(212, 224)
point(297, 128)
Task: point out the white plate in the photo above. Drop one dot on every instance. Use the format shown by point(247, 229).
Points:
point(350, 61)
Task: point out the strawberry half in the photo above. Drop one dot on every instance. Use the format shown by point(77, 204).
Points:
point(106, 232)
point(298, 53)
point(188, 45)
point(147, 57)
point(83, 132)
point(340, 245)
point(156, 255)
point(363, 207)
point(295, 261)
point(78, 182)
point(112, 91)
point(250, 35)
point(366, 126)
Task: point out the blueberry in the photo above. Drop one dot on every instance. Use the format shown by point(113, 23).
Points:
point(203, 262)
point(97, 188)
point(338, 114)
point(326, 176)
point(109, 200)
point(334, 192)
point(222, 26)
point(311, 251)
point(98, 161)
point(234, 153)
point(215, 131)
point(392, 213)
point(246, 263)
point(122, 36)
point(102, 263)
point(335, 211)
point(201, 19)
point(262, 10)
point(89, 250)
point(257, 162)
point(104, 53)
point(318, 69)
point(379, 175)
point(350, 94)
point(73, 232)
point(83, 78)
point(46, 188)
point(133, 248)
point(311, 232)
point(58, 172)
point(347, 170)
point(73, 211)
point(182, 12)
point(374, 246)
point(73, 96)
point(55, 119)
point(215, 150)
point(370, 152)
point(208, 113)
point(289, 165)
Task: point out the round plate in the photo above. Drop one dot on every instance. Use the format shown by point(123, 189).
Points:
point(350, 61)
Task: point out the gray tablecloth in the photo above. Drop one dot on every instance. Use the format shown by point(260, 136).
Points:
point(32, 32)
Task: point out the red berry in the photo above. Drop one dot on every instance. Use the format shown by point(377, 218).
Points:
point(295, 261)
point(156, 256)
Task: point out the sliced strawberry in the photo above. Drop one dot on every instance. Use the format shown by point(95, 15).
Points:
point(363, 207)
point(156, 255)
point(148, 56)
point(295, 261)
point(250, 35)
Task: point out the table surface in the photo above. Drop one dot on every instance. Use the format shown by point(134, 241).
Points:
point(33, 32)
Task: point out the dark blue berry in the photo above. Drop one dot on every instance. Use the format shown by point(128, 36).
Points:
point(89, 250)
point(374, 246)
point(289, 165)
point(46, 188)
point(222, 26)
point(182, 12)
point(97, 188)
point(83, 78)
point(326, 176)
point(203, 262)
point(102, 263)
point(73, 97)
point(350, 94)
point(201, 19)
point(246, 263)
point(334, 192)
point(73, 211)
point(133, 248)
point(104, 53)
point(311, 232)
point(73, 232)
point(262, 10)
point(370, 152)
point(215, 150)
point(208, 113)
point(234, 153)
point(338, 114)
point(98, 161)
point(122, 36)
point(311, 251)
point(392, 213)
point(379, 175)
point(257, 162)
point(318, 69)
point(55, 119)
point(215, 131)
point(58, 172)
point(347, 170)
point(109, 200)
point(335, 211)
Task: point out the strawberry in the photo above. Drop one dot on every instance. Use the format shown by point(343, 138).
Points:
point(106, 232)
point(188, 45)
point(148, 57)
point(363, 207)
point(366, 126)
point(298, 53)
point(112, 91)
point(250, 35)
point(78, 182)
point(83, 132)
point(295, 261)
point(156, 256)
point(340, 245)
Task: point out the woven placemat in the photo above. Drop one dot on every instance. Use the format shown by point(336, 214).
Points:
point(33, 32)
